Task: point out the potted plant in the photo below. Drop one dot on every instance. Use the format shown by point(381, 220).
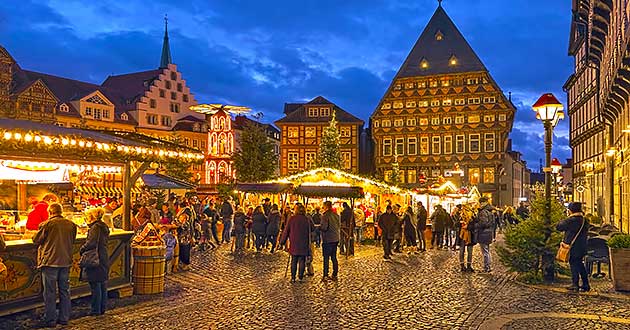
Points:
point(619, 246)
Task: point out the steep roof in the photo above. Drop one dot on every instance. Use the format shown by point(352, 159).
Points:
point(131, 86)
point(299, 113)
point(240, 121)
point(439, 42)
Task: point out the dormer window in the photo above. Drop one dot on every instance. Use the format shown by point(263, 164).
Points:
point(439, 36)
point(196, 127)
point(424, 64)
point(324, 112)
point(452, 61)
point(124, 116)
point(64, 108)
point(313, 112)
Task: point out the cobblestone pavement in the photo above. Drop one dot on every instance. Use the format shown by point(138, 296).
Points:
point(559, 323)
point(417, 291)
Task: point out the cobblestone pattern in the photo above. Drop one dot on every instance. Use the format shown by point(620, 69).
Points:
point(563, 324)
point(417, 291)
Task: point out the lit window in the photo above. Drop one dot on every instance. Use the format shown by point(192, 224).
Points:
point(375, 123)
point(310, 159)
point(400, 146)
point(439, 36)
point(398, 105)
point(195, 143)
point(411, 122)
point(409, 85)
point(452, 61)
point(502, 117)
point(459, 119)
point(424, 145)
point(411, 176)
point(124, 116)
point(310, 132)
point(97, 113)
point(422, 84)
point(489, 142)
point(436, 145)
point(473, 176)
point(397, 87)
point(460, 144)
point(411, 104)
point(424, 63)
point(387, 147)
point(423, 104)
point(472, 81)
point(424, 121)
point(435, 121)
point(386, 175)
point(88, 111)
point(474, 100)
point(446, 102)
point(435, 103)
point(488, 174)
point(433, 83)
point(460, 101)
point(488, 118)
point(386, 123)
point(446, 82)
point(64, 108)
point(489, 99)
point(398, 122)
point(346, 160)
point(313, 112)
point(293, 160)
point(324, 112)
point(412, 146)
point(448, 145)
point(293, 132)
point(474, 143)
point(473, 119)
point(386, 106)
point(345, 131)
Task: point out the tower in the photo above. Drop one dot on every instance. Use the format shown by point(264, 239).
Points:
point(165, 59)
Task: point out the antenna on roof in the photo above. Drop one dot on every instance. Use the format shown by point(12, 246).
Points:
point(439, 3)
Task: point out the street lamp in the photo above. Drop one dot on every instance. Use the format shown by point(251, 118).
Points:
point(556, 166)
point(548, 110)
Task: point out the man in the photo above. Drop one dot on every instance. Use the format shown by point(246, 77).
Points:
point(54, 241)
point(330, 238)
point(421, 225)
point(226, 215)
point(483, 229)
point(346, 227)
point(213, 218)
point(39, 213)
point(266, 206)
point(317, 221)
point(522, 211)
point(387, 223)
point(397, 243)
point(575, 229)
point(438, 224)
point(456, 218)
point(359, 222)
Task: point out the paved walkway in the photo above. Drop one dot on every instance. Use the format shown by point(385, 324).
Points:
point(418, 291)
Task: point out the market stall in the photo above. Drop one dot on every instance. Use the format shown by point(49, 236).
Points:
point(35, 154)
point(253, 193)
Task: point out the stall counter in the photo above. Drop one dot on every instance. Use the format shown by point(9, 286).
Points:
point(22, 288)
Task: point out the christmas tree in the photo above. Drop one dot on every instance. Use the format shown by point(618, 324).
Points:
point(255, 160)
point(328, 154)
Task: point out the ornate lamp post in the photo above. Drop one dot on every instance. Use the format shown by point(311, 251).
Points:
point(548, 110)
point(556, 167)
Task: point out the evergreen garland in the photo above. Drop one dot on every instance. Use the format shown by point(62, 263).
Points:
point(328, 154)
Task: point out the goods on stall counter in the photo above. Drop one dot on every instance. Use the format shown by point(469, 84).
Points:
point(149, 236)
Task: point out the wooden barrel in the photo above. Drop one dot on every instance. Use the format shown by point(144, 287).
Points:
point(620, 264)
point(148, 269)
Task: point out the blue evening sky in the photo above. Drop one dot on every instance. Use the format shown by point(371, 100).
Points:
point(262, 54)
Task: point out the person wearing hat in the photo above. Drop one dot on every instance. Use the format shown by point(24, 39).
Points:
point(575, 227)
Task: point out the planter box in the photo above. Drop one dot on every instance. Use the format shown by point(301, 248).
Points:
point(620, 266)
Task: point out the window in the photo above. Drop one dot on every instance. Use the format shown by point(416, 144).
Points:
point(310, 132)
point(460, 144)
point(474, 100)
point(173, 96)
point(448, 145)
point(173, 76)
point(167, 84)
point(375, 123)
point(162, 93)
point(398, 122)
point(474, 143)
point(433, 83)
point(472, 81)
point(411, 122)
point(386, 123)
point(488, 174)
point(423, 104)
point(424, 145)
point(424, 121)
point(152, 119)
point(179, 87)
point(293, 132)
point(88, 111)
point(313, 112)
point(398, 105)
point(386, 106)
point(97, 113)
point(293, 160)
point(124, 116)
point(387, 147)
point(409, 85)
point(489, 142)
point(397, 87)
point(452, 61)
point(345, 131)
point(410, 104)
point(502, 117)
point(64, 108)
point(446, 82)
point(447, 120)
point(412, 146)
point(174, 107)
point(489, 99)
point(435, 103)
point(424, 63)
point(447, 102)
point(152, 103)
point(473, 175)
point(324, 112)
point(435, 121)
point(166, 121)
point(411, 176)
point(459, 119)
point(195, 143)
point(473, 119)
point(400, 146)
point(439, 36)
point(105, 114)
point(346, 160)
point(386, 175)
point(310, 159)
point(460, 101)
point(436, 147)
point(185, 97)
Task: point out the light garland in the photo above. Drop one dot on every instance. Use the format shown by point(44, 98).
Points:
point(363, 180)
point(85, 144)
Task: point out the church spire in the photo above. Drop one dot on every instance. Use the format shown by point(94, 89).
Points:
point(165, 60)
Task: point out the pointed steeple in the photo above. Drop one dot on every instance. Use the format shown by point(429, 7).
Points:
point(165, 60)
point(437, 46)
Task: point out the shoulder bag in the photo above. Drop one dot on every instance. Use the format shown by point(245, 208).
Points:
point(564, 249)
point(90, 258)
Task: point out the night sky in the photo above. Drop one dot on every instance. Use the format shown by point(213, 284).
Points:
point(262, 54)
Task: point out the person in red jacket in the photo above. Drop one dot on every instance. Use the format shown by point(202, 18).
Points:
point(40, 212)
point(298, 230)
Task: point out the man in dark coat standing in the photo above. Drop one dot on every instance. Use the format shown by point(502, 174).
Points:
point(298, 230)
point(484, 228)
point(387, 223)
point(576, 227)
point(227, 211)
point(346, 227)
point(330, 239)
point(421, 225)
point(438, 224)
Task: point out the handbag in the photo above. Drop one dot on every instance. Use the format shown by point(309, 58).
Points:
point(89, 259)
point(565, 249)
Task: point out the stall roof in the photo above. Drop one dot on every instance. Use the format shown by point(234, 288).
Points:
point(330, 174)
point(329, 191)
point(266, 187)
point(161, 181)
point(27, 138)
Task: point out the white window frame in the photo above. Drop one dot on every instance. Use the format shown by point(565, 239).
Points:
point(488, 118)
point(310, 159)
point(398, 122)
point(411, 122)
point(424, 140)
point(400, 144)
point(460, 120)
point(386, 123)
point(435, 103)
point(423, 104)
point(313, 112)
point(386, 106)
point(448, 144)
point(502, 117)
point(436, 145)
point(460, 138)
point(435, 121)
point(460, 101)
point(324, 112)
point(489, 137)
point(447, 120)
point(474, 138)
point(412, 146)
point(346, 160)
point(293, 132)
point(310, 132)
point(472, 120)
point(345, 131)
point(387, 142)
point(293, 160)
point(410, 104)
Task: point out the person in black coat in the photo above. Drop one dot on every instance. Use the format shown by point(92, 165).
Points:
point(259, 227)
point(97, 238)
point(273, 227)
point(576, 227)
point(409, 229)
point(421, 225)
point(388, 222)
point(346, 227)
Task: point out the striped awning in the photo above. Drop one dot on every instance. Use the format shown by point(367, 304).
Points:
point(106, 191)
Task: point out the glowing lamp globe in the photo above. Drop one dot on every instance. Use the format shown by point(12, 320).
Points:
point(556, 166)
point(548, 108)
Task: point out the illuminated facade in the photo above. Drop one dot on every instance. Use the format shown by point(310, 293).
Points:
point(442, 108)
point(220, 148)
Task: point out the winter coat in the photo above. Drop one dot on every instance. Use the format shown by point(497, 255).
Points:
point(170, 241)
point(317, 218)
point(54, 239)
point(226, 211)
point(387, 224)
point(422, 219)
point(439, 218)
point(298, 230)
point(97, 238)
point(266, 209)
point(484, 225)
point(37, 216)
point(346, 218)
point(212, 215)
point(273, 225)
point(410, 230)
point(571, 227)
point(259, 223)
point(522, 212)
point(330, 227)
point(239, 223)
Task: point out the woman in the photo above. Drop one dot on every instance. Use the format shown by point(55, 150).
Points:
point(575, 229)
point(410, 230)
point(298, 230)
point(240, 220)
point(259, 227)
point(465, 238)
point(184, 234)
point(97, 238)
point(273, 227)
point(166, 216)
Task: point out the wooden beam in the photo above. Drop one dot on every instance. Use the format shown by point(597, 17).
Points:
point(129, 180)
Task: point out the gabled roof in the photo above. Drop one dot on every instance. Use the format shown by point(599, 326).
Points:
point(192, 118)
point(437, 53)
point(131, 86)
point(300, 115)
point(290, 107)
point(241, 121)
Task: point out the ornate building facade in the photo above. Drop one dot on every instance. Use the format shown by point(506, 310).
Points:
point(599, 94)
point(442, 111)
point(301, 131)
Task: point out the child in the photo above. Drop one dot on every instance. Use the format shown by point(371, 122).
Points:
point(171, 241)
